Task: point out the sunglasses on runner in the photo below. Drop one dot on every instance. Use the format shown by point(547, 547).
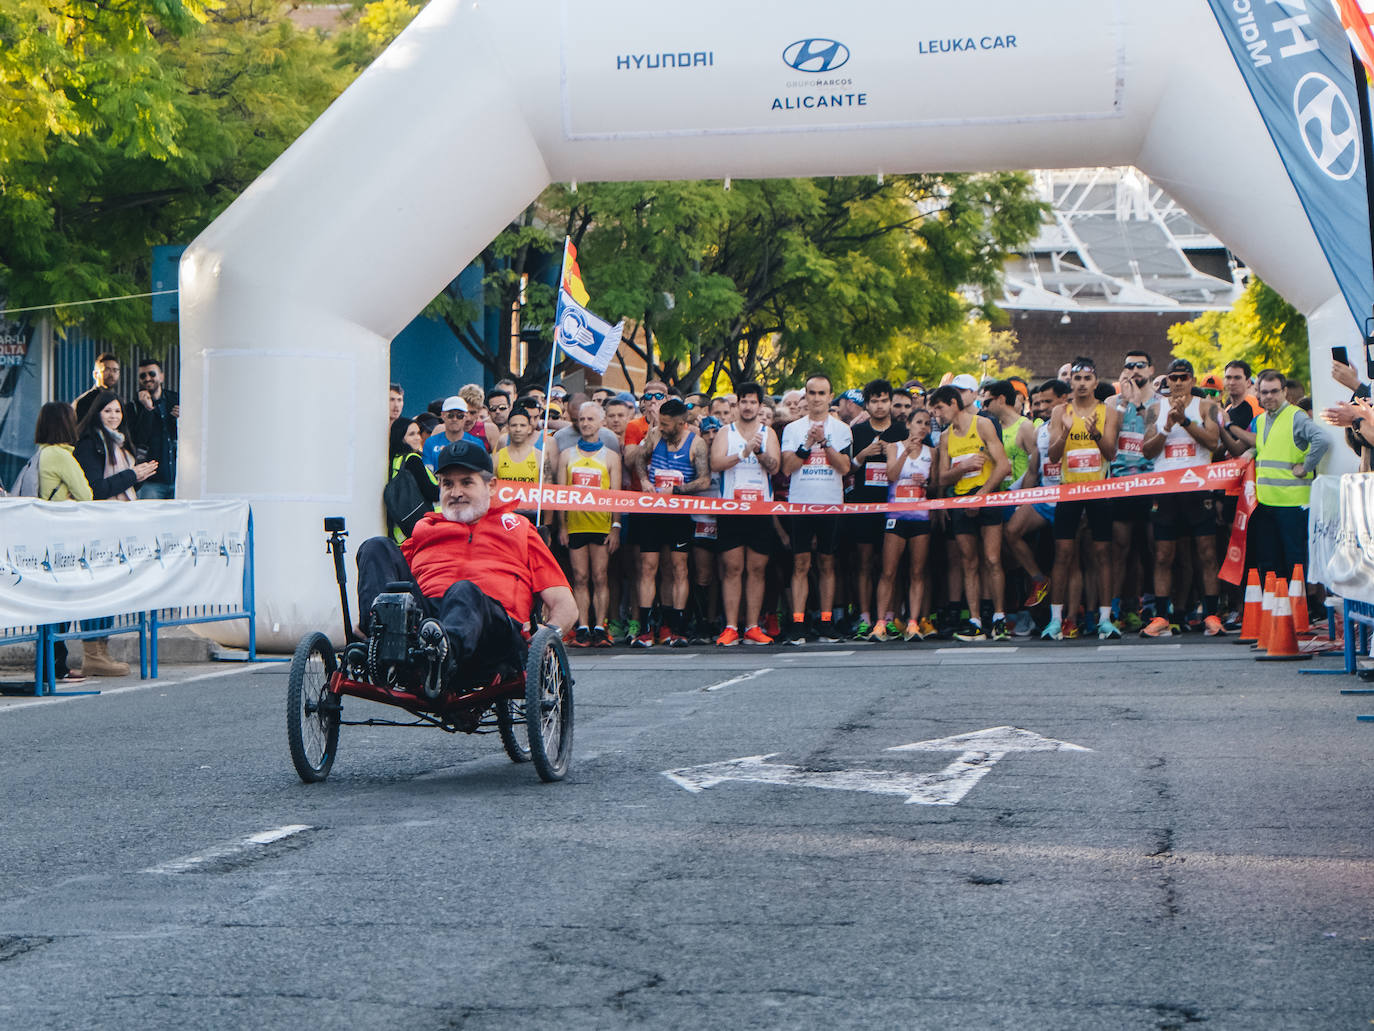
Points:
point(1137, 365)
point(652, 397)
point(1179, 377)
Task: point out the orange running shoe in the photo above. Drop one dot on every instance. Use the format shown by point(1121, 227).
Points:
point(1211, 626)
point(665, 632)
point(756, 635)
point(1157, 627)
point(729, 636)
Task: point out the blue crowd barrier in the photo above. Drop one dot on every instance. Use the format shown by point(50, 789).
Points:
point(35, 635)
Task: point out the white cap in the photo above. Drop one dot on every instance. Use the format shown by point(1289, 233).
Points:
point(964, 381)
point(454, 404)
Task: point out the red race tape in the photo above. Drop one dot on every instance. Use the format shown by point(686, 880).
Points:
point(1226, 476)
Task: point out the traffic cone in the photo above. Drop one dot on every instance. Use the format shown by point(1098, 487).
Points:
point(1266, 612)
point(1283, 638)
point(1297, 593)
point(1254, 601)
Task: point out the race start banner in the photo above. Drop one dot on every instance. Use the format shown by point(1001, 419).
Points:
point(67, 560)
point(1224, 476)
point(1297, 61)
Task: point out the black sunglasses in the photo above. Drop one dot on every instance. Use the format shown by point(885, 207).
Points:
point(1137, 365)
point(654, 397)
point(1179, 377)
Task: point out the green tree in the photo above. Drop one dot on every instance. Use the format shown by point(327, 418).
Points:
point(971, 346)
point(1262, 329)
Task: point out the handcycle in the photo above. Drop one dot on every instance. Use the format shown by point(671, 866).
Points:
point(531, 710)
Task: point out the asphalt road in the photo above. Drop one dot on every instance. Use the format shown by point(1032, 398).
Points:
point(1207, 859)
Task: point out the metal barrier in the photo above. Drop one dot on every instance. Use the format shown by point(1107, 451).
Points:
point(145, 624)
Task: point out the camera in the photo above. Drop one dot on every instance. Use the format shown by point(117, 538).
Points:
point(333, 524)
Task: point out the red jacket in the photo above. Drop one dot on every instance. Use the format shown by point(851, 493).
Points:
point(501, 553)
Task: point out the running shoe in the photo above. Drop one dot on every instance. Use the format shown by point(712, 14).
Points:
point(756, 635)
point(728, 638)
point(644, 640)
point(894, 629)
point(582, 638)
point(999, 630)
point(672, 640)
point(1072, 632)
point(912, 632)
point(1024, 625)
point(570, 637)
point(615, 629)
point(771, 626)
point(664, 632)
point(862, 630)
point(1212, 627)
point(1235, 622)
point(1157, 627)
point(826, 631)
point(879, 633)
point(970, 631)
point(925, 629)
point(1131, 622)
point(796, 634)
point(1053, 632)
point(1108, 631)
point(601, 637)
point(1040, 590)
point(632, 631)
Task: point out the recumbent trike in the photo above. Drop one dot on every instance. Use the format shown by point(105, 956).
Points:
point(532, 710)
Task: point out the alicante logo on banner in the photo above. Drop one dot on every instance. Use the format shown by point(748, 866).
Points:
point(816, 55)
point(1329, 128)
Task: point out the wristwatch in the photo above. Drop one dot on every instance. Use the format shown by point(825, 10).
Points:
point(803, 452)
point(1186, 422)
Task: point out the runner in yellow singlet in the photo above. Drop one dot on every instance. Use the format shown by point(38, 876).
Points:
point(519, 460)
point(590, 537)
point(1083, 438)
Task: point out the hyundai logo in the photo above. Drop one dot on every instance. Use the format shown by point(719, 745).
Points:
point(816, 55)
point(1329, 128)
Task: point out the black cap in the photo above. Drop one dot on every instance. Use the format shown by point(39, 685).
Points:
point(1181, 365)
point(465, 455)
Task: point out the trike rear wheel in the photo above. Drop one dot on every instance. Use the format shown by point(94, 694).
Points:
point(549, 705)
point(510, 724)
point(312, 712)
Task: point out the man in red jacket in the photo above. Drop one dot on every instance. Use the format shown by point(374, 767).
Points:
point(475, 570)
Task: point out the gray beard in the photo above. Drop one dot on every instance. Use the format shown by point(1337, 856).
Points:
point(471, 513)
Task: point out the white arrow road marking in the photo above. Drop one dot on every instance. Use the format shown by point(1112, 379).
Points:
point(980, 750)
point(739, 679)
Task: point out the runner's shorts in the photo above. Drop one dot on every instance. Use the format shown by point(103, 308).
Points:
point(656, 532)
point(1068, 514)
point(581, 540)
point(819, 533)
point(907, 528)
point(1132, 510)
point(752, 532)
point(1183, 515)
point(863, 529)
point(972, 521)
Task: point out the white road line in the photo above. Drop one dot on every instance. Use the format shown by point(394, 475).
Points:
point(142, 685)
point(739, 679)
point(230, 850)
point(1134, 648)
point(995, 649)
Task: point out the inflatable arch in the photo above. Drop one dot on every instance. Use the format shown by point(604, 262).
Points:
point(290, 299)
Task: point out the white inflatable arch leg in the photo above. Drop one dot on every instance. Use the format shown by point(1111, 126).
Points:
point(290, 299)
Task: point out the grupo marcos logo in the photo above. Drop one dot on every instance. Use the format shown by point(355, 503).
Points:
point(1328, 126)
point(816, 55)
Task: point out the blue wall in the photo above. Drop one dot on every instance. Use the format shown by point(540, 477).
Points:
point(428, 361)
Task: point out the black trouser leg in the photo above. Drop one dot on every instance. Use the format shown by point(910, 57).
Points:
point(484, 639)
point(380, 562)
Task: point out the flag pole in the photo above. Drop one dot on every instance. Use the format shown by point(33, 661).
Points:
point(553, 361)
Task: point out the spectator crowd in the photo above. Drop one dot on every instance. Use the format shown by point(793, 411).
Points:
point(1139, 564)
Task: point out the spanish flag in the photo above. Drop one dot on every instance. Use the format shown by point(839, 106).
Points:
point(572, 275)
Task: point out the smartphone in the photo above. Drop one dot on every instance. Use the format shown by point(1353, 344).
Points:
point(1341, 355)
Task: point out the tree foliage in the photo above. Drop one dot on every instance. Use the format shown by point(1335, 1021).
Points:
point(1262, 329)
point(135, 124)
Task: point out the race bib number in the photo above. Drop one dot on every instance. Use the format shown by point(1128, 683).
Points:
point(1084, 460)
point(875, 475)
point(706, 531)
point(586, 478)
point(748, 494)
point(908, 492)
point(1052, 470)
point(1131, 443)
point(1173, 451)
point(666, 479)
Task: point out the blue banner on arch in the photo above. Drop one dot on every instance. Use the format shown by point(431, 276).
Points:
point(1297, 61)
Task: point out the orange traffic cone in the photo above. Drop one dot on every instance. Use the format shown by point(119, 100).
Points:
point(1266, 612)
point(1297, 592)
point(1283, 637)
point(1254, 601)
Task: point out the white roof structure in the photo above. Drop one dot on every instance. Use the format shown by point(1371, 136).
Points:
point(1116, 242)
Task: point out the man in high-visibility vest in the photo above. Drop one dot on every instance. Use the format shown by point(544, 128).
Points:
point(1286, 445)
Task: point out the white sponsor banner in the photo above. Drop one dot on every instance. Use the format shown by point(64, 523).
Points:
point(726, 67)
point(61, 561)
point(1341, 535)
